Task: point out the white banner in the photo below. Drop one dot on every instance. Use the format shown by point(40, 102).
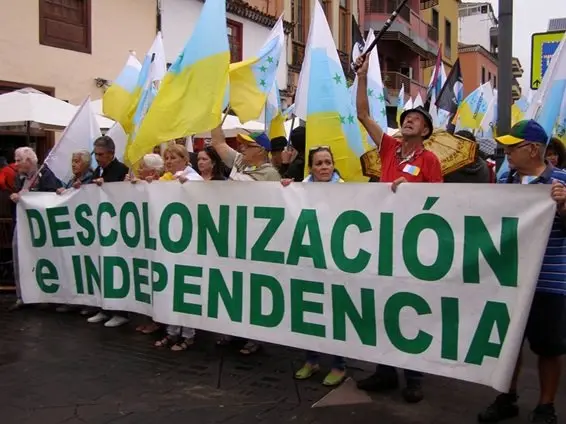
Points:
point(437, 278)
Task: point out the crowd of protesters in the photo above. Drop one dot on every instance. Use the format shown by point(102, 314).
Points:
point(280, 160)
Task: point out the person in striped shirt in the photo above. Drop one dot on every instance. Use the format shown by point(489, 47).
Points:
point(525, 148)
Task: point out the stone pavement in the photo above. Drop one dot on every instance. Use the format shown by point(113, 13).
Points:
point(56, 368)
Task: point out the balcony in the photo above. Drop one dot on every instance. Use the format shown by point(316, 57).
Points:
point(387, 7)
point(432, 33)
point(298, 56)
point(427, 4)
point(409, 28)
point(393, 81)
point(516, 68)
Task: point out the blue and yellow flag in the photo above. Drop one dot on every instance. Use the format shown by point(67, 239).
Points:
point(252, 79)
point(474, 107)
point(324, 102)
point(400, 104)
point(189, 100)
point(273, 115)
point(118, 98)
point(153, 71)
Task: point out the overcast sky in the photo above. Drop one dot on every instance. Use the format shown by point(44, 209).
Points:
point(530, 16)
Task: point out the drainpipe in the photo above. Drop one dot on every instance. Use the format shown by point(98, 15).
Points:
point(505, 77)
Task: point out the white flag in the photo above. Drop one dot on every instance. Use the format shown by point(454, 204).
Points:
point(79, 135)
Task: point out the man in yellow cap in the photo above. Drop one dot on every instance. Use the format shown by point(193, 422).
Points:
point(252, 162)
point(525, 147)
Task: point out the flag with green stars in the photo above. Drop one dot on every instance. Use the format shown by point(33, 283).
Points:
point(375, 93)
point(252, 79)
point(324, 102)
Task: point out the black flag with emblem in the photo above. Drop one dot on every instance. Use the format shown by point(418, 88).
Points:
point(357, 40)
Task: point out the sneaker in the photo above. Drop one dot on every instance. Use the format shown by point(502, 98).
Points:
point(99, 317)
point(116, 321)
point(334, 378)
point(379, 382)
point(544, 414)
point(19, 304)
point(504, 407)
point(307, 371)
point(413, 392)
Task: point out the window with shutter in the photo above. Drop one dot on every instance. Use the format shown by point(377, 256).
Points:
point(235, 40)
point(65, 24)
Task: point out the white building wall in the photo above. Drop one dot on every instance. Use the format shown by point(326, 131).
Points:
point(474, 29)
point(179, 19)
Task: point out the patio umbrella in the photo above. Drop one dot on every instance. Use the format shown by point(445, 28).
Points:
point(31, 108)
point(454, 152)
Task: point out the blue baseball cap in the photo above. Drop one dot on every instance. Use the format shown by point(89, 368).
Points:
point(258, 138)
point(527, 130)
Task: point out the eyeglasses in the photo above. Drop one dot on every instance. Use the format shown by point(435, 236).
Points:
point(516, 147)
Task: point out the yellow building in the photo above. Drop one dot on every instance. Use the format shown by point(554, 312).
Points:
point(443, 15)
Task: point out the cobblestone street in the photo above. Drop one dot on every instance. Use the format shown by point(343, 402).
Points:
point(56, 368)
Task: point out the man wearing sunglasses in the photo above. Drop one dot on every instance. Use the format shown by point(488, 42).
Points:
point(401, 161)
point(525, 147)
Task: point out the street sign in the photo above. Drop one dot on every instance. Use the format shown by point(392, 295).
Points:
point(543, 46)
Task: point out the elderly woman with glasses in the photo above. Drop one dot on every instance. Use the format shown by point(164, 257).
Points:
point(321, 170)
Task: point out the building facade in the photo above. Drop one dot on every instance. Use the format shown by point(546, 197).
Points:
point(248, 28)
point(478, 65)
point(406, 49)
point(443, 16)
point(478, 25)
point(69, 48)
point(517, 70)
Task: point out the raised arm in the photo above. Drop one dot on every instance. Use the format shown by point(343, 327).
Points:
point(218, 142)
point(362, 103)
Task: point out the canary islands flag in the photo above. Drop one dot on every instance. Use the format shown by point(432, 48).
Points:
point(252, 79)
point(400, 104)
point(119, 96)
point(190, 98)
point(323, 101)
point(474, 107)
point(273, 115)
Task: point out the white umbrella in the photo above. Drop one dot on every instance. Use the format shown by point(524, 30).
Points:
point(96, 106)
point(29, 106)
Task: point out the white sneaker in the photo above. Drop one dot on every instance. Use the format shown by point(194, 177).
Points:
point(99, 317)
point(116, 321)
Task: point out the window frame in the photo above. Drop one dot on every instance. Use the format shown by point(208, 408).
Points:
point(343, 14)
point(483, 74)
point(46, 40)
point(239, 27)
point(447, 38)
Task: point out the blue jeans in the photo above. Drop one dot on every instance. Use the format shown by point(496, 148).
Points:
point(338, 362)
point(386, 370)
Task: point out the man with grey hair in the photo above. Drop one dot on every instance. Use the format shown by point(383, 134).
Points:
point(151, 168)
point(110, 169)
point(29, 178)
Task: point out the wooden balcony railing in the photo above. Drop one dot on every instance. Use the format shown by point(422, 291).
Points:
point(433, 33)
point(298, 55)
point(387, 7)
point(396, 80)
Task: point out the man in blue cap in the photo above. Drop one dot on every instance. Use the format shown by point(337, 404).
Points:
point(525, 148)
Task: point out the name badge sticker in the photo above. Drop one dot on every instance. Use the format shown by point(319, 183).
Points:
point(412, 170)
